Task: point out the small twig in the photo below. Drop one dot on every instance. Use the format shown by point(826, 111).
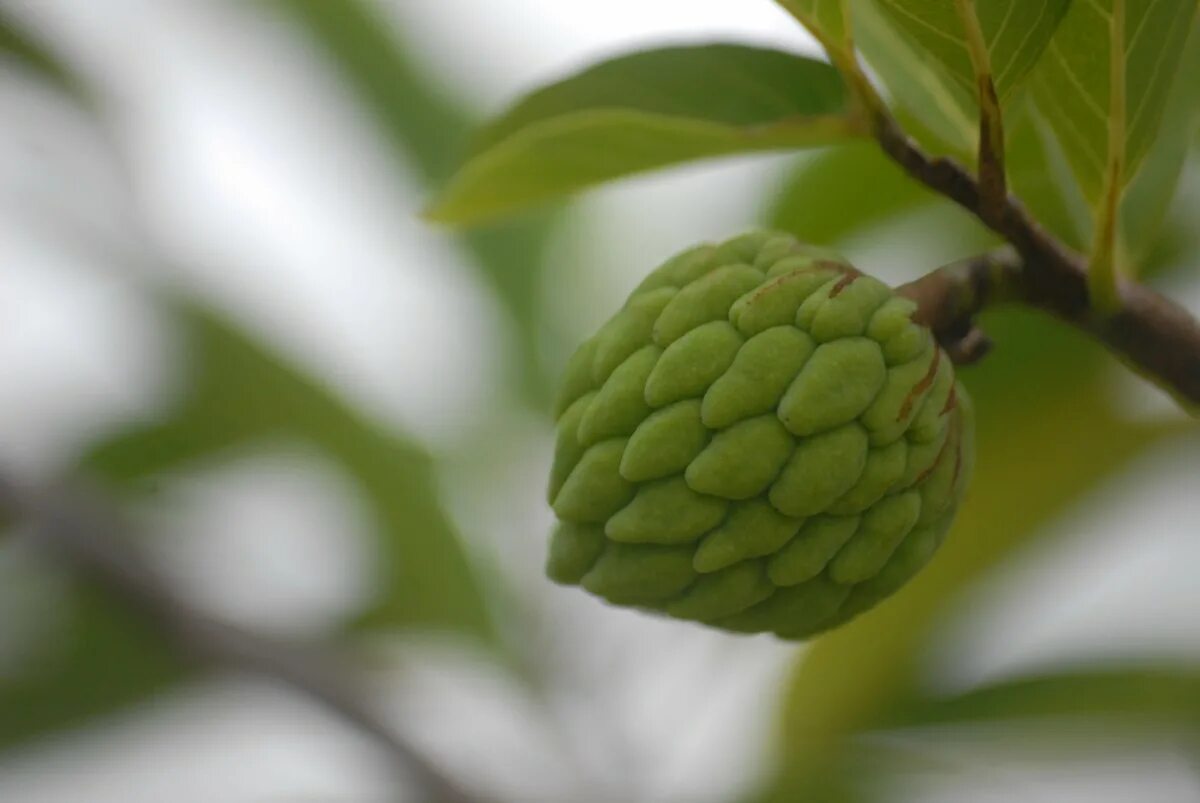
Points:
point(948, 299)
point(84, 531)
point(993, 184)
point(1154, 335)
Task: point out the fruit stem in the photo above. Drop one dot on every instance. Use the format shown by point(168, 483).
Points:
point(1151, 334)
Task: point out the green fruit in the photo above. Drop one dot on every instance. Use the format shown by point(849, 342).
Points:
point(761, 439)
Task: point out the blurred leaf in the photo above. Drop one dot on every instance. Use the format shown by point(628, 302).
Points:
point(239, 395)
point(843, 190)
point(1015, 31)
point(98, 657)
point(1071, 82)
point(642, 111)
point(20, 44)
point(1147, 695)
point(103, 659)
point(1046, 435)
point(429, 130)
point(1144, 207)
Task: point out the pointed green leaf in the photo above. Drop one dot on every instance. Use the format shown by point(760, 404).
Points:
point(644, 111)
point(1071, 82)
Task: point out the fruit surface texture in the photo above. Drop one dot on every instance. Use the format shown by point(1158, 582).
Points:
point(761, 439)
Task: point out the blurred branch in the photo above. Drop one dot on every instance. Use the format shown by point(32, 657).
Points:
point(1149, 332)
point(83, 530)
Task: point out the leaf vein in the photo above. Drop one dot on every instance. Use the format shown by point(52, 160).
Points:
point(1089, 100)
point(925, 23)
point(1087, 147)
point(1137, 32)
point(1024, 41)
point(1000, 31)
point(1143, 101)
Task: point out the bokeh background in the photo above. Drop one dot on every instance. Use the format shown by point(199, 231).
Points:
point(329, 423)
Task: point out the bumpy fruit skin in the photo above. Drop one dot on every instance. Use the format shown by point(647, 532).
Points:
point(761, 439)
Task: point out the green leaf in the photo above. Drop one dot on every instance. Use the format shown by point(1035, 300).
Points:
point(1039, 175)
point(919, 51)
point(1044, 384)
point(1149, 194)
point(1071, 81)
point(825, 19)
point(99, 658)
point(240, 396)
point(1121, 702)
point(1015, 32)
point(429, 130)
point(844, 190)
point(945, 112)
point(1156, 695)
point(643, 111)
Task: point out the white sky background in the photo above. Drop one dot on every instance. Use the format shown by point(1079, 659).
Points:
point(258, 176)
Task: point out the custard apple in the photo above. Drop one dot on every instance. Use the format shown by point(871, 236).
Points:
point(761, 439)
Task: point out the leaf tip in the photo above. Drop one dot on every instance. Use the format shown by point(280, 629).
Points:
point(441, 211)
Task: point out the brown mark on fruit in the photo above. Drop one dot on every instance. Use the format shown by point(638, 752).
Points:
point(790, 276)
point(936, 462)
point(849, 274)
point(921, 386)
point(951, 401)
point(958, 452)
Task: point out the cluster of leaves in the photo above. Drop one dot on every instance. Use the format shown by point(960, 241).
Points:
point(1050, 62)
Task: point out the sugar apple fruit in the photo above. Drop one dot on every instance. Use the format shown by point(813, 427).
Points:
point(761, 439)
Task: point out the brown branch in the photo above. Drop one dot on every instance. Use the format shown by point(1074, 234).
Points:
point(1148, 331)
point(1151, 333)
point(85, 532)
point(992, 180)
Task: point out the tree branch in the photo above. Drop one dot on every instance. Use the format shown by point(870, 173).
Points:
point(85, 532)
point(1147, 331)
point(1155, 336)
